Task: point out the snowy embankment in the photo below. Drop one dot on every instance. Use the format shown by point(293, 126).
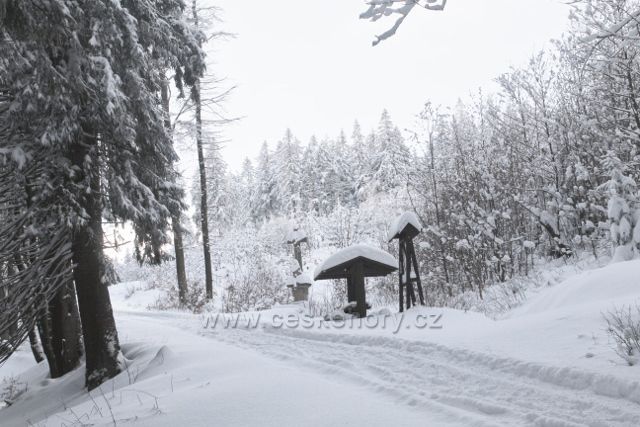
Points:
point(546, 363)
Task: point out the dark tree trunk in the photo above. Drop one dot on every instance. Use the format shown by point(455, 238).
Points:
point(36, 348)
point(98, 325)
point(59, 327)
point(65, 331)
point(44, 330)
point(175, 219)
point(180, 264)
point(204, 214)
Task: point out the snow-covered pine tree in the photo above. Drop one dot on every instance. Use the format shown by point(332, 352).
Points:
point(390, 168)
point(217, 197)
point(343, 165)
point(264, 204)
point(325, 171)
point(287, 174)
point(244, 195)
point(623, 209)
point(94, 148)
point(310, 179)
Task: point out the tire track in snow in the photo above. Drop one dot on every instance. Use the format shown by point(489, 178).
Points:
point(475, 388)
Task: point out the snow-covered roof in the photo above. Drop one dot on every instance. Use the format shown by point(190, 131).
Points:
point(290, 281)
point(304, 279)
point(296, 236)
point(399, 224)
point(354, 252)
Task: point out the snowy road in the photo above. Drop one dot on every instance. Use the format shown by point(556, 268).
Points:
point(474, 372)
point(467, 387)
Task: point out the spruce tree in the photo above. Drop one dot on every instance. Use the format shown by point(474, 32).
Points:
point(86, 123)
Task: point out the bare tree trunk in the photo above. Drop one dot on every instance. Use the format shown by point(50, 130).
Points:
point(180, 264)
point(175, 219)
point(44, 330)
point(100, 335)
point(66, 342)
point(204, 214)
point(36, 347)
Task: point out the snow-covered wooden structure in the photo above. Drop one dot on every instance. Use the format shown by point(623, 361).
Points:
point(301, 289)
point(405, 228)
point(355, 263)
point(300, 282)
point(296, 237)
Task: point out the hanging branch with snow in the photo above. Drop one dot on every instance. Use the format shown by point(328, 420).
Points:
point(399, 8)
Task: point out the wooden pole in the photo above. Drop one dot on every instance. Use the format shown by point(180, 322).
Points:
point(400, 274)
point(407, 272)
point(350, 292)
point(297, 254)
point(357, 275)
point(411, 294)
point(414, 260)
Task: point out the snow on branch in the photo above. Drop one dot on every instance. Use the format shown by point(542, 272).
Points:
point(382, 8)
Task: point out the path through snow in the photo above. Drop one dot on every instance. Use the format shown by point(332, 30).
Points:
point(469, 387)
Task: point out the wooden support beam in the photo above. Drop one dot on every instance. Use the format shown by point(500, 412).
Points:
point(351, 296)
point(357, 276)
point(414, 260)
point(400, 275)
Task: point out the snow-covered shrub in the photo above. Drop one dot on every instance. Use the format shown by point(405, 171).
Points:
point(12, 388)
point(498, 298)
point(622, 208)
point(383, 291)
point(163, 276)
point(131, 290)
point(333, 297)
point(253, 283)
point(623, 325)
point(195, 301)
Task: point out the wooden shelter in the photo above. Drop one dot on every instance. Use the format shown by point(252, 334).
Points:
point(405, 228)
point(355, 263)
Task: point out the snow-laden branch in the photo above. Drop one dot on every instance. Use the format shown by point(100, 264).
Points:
point(615, 30)
point(382, 8)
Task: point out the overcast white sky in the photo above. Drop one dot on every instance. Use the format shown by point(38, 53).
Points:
point(309, 65)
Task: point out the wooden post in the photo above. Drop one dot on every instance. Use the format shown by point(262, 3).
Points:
point(411, 295)
point(357, 277)
point(414, 260)
point(350, 291)
point(408, 262)
point(297, 253)
point(400, 274)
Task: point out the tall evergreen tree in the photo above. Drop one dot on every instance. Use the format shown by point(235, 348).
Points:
point(390, 163)
point(287, 173)
point(84, 113)
point(264, 205)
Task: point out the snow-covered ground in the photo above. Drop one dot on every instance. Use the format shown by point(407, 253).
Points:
point(546, 363)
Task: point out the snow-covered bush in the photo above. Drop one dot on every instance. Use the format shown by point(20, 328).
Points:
point(622, 208)
point(623, 326)
point(330, 301)
point(12, 388)
point(195, 299)
point(254, 287)
point(252, 271)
